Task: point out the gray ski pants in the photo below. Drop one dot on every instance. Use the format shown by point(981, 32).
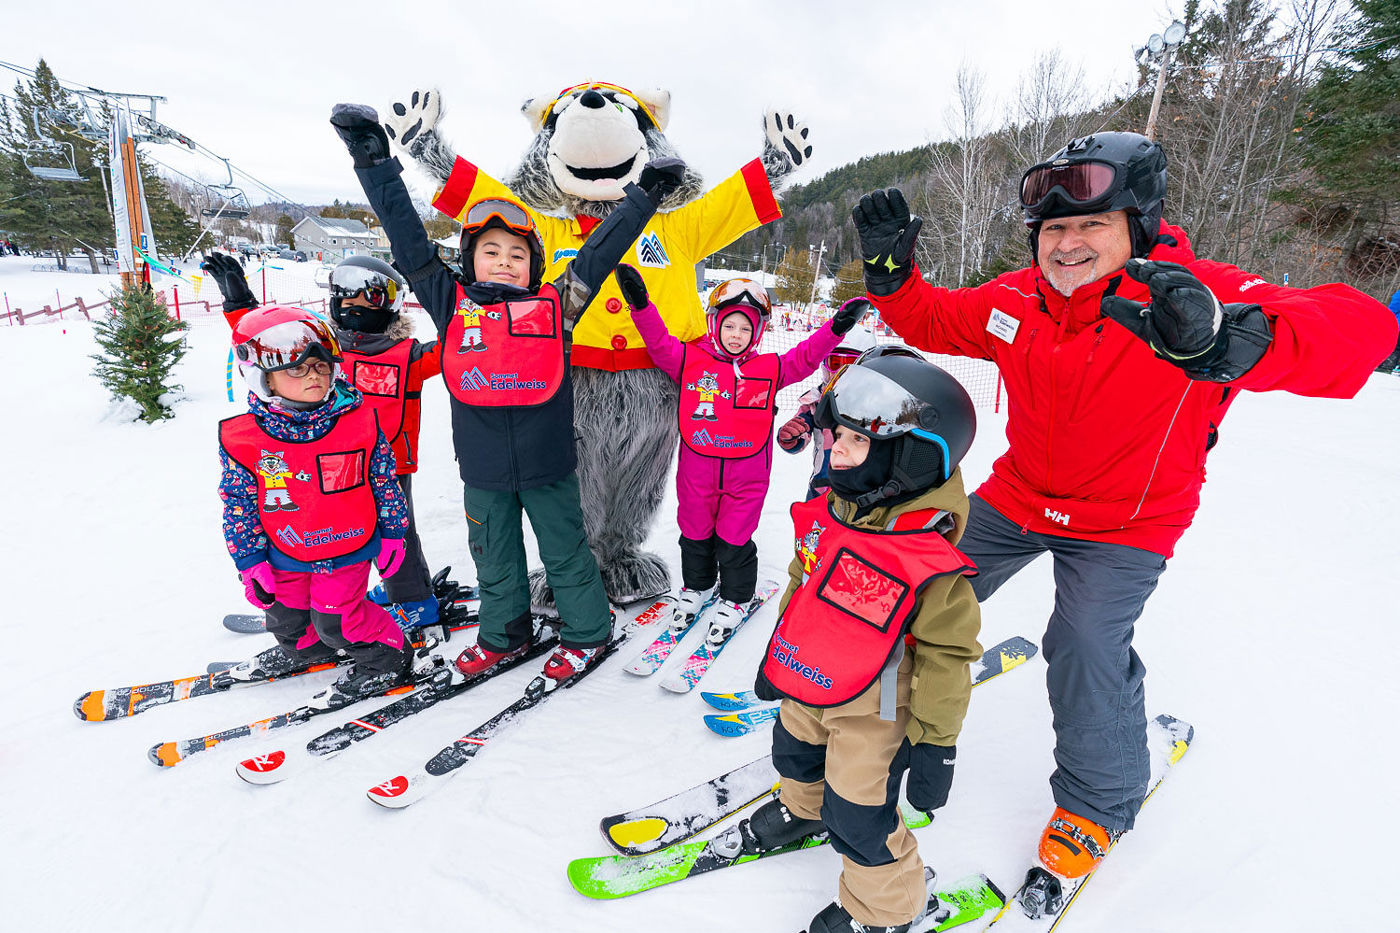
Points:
point(1093, 674)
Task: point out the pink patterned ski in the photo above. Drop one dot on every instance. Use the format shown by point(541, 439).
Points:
point(658, 651)
point(698, 663)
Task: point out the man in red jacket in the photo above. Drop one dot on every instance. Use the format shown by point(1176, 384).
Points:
point(1120, 352)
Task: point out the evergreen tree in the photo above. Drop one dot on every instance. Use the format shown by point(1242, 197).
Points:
point(141, 344)
point(795, 274)
point(850, 283)
point(284, 230)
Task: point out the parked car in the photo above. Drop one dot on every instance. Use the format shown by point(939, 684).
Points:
point(296, 255)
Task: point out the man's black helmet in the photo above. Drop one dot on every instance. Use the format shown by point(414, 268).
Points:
point(1095, 175)
point(920, 407)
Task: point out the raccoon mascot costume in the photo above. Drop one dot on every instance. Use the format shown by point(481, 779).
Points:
point(591, 140)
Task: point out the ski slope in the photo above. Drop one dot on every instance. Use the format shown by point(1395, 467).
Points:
point(1270, 633)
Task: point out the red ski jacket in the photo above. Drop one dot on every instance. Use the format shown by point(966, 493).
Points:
point(1107, 442)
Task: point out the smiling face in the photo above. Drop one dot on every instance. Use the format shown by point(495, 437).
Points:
point(598, 144)
point(501, 256)
point(1074, 251)
point(735, 333)
point(848, 448)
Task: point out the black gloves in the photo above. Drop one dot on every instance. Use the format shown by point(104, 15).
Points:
point(1187, 326)
point(228, 276)
point(660, 178)
point(930, 775)
point(849, 315)
point(888, 236)
point(358, 126)
point(633, 288)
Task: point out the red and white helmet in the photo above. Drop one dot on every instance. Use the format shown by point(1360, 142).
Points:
point(278, 337)
point(742, 295)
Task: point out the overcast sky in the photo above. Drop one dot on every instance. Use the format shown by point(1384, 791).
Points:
point(255, 81)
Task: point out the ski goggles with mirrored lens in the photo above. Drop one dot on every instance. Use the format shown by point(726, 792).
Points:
point(1080, 183)
point(289, 344)
point(740, 291)
point(866, 401)
point(836, 359)
point(378, 289)
point(515, 217)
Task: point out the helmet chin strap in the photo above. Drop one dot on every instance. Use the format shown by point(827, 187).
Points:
point(888, 491)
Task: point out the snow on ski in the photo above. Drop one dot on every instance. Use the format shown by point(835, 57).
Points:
point(122, 702)
point(612, 876)
point(684, 814)
point(659, 650)
point(405, 789)
point(684, 680)
point(169, 754)
point(275, 766)
point(1043, 899)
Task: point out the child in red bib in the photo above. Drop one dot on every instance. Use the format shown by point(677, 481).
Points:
point(874, 638)
point(729, 397)
point(310, 499)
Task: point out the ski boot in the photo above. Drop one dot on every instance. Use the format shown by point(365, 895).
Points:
point(478, 659)
point(836, 919)
point(278, 662)
point(1072, 846)
point(725, 620)
point(688, 605)
point(772, 826)
point(566, 663)
point(418, 614)
point(360, 681)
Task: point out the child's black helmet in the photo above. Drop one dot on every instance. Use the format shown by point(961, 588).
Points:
point(924, 410)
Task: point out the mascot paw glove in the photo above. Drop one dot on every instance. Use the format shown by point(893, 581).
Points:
point(358, 126)
point(930, 775)
point(633, 288)
point(788, 135)
point(258, 585)
point(793, 435)
point(849, 315)
point(660, 178)
point(390, 559)
point(228, 276)
point(407, 123)
point(1187, 326)
point(888, 235)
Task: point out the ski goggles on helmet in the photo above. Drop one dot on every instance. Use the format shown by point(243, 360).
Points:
point(740, 291)
point(378, 289)
point(873, 404)
point(513, 216)
point(839, 358)
point(1078, 184)
point(290, 344)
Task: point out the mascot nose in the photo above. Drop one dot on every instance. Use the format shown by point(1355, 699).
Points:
point(592, 99)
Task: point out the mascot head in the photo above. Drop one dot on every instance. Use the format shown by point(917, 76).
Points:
point(590, 141)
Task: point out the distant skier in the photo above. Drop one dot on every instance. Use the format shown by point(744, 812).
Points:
point(874, 639)
point(1120, 352)
point(512, 401)
point(729, 397)
point(308, 567)
point(389, 367)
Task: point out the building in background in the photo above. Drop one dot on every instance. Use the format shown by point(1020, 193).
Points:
point(331, 239)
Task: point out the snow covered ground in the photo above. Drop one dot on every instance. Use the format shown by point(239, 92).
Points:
point(1270, 632)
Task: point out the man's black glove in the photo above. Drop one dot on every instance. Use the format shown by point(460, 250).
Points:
point(228, 276)
point(633, 288)
point(660, 178)
point(1187, 326)
point(930, 775)
point(849, 314)
point(358, 126)
point(888, 236)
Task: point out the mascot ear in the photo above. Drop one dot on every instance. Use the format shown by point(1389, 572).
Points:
point(658, 101)
point(535, 108)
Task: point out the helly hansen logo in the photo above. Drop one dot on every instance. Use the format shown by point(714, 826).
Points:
point(1061, 517)
point(473, 379)
point(651, 253)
